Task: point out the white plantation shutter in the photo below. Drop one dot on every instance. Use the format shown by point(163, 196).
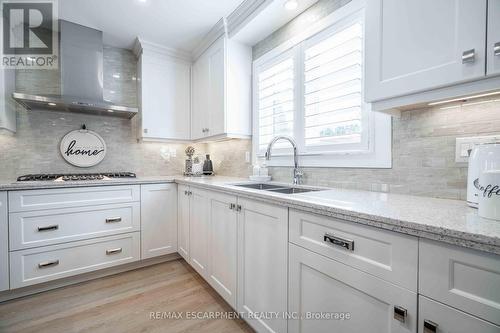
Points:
point(313, 92)
point(333, 100)
point(275, 99)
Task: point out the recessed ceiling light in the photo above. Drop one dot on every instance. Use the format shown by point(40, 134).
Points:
point(111, 111)
point(52, 104)
point(116, 75)
point(291, 4)
point(143, 1)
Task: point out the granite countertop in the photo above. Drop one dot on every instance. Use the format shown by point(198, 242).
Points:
point(449, 221)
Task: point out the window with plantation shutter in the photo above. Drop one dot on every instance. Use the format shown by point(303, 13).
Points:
point(311, 88)
point(275, 100)
point(333, 102)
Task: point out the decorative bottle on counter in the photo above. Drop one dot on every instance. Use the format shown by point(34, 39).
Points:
point(208, 168)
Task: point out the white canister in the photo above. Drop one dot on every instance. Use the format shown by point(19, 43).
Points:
point(484, 157)
point(489, 198)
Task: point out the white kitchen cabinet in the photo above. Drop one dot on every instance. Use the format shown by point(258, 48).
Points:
point(199, 210)
point(164, 95)
point(262, 264)
point(183, 210)
point(223, 246)
point(318, 285)
point(465, 279)
point(493, 39)
point(434, 317)
point(406, 53)
point(47, 263)
point(4, 243)
point(221, 91)
point(158, 220)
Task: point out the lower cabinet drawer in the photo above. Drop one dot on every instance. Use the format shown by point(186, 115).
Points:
point(385, 254)
point(327, 296)
point(48, 227)
point(462, 278)
point(435, 317)
point(32, 266)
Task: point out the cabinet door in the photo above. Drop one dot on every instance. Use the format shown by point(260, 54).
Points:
point(439, 318)
point(493, 48)
point(262, 264)
point(216, 101)
point(199, 210)
point(158, 219)
point(200, 93)
point(357, 301)
point(418, 45)
point(165, 98)
point(4, 249)
point(223, 246)
point(183, 221)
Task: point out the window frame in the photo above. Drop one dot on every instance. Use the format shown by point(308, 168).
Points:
point(375, 150)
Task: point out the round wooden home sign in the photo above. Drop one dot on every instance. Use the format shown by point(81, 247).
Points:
point(83, 148)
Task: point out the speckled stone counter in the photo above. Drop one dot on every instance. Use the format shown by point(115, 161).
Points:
point(449, 221)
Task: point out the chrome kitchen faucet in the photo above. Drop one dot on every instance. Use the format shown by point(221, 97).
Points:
point(297, 173)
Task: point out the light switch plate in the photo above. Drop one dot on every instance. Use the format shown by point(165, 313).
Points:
point(464, 145)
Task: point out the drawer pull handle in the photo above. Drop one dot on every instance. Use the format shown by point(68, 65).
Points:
point(49, 228)
point(400, 313)
point(48, 264)
point(347, 244)
point(496, 49)
point(468, 56)
point(430, 327)
point(114, 251)
point(113, 219)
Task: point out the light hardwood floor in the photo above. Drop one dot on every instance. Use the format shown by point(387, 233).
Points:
point(123, 303)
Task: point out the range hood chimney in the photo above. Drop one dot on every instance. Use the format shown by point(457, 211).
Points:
point(81, 68)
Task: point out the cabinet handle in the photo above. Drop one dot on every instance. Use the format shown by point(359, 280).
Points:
point(347, 244)
point(468, 56)
point(114, 251)
point(430, 326)
point(49, 228)
point(232, 206)
point(48, 264)
point(496, 49)
point(190, 193)
point(185, 192)
point(113, 219)
point(400, 313)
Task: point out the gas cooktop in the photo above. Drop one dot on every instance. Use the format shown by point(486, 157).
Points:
point(75, 176)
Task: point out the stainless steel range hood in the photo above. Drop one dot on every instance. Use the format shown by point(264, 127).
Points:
point(81, 67)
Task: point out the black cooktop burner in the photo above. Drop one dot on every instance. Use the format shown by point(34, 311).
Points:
point(75, 176)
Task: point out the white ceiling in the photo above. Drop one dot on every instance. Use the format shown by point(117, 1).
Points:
point(178, 24)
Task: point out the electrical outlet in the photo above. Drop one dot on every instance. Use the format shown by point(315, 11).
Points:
point(463, 146)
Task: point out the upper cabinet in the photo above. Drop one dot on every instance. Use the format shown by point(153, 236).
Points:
point(164, 93)
point(493, 39)
point(418, 46)
point(221, 91)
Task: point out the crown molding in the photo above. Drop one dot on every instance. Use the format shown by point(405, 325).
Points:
point(218, 30)
point(245, 12)
point(140, 46)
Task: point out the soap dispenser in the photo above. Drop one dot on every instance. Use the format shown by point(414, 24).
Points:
point(208, 168)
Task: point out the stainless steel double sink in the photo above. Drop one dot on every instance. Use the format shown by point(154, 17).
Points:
point(277, 188)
